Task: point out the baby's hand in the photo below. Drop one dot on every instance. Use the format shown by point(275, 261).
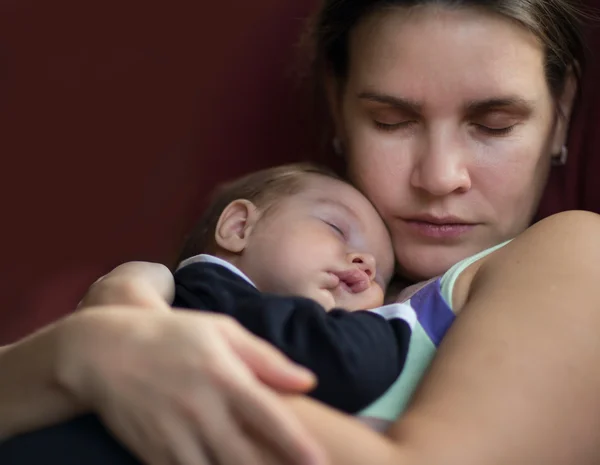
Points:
point(141, 284)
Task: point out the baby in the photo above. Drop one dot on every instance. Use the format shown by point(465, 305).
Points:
point(302, 259)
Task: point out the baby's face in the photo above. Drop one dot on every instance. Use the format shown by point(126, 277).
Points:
point(327, 243)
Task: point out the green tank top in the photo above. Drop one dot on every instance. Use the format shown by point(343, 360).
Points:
point(432, 305)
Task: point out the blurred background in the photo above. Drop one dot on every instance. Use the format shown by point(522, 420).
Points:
point(117, 118)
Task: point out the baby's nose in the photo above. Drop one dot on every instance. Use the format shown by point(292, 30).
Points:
point(365, 262)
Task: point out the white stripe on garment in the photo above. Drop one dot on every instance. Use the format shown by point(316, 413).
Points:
point(205, 258)
point(397, 311)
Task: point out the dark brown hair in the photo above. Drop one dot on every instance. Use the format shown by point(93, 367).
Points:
point(263, 188)
point(556, 23)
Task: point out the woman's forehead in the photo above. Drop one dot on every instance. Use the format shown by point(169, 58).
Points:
point(436, 53)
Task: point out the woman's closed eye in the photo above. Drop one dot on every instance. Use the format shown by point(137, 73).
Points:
point(503, 131)
point(389, 118)
point(384, 126)
point(496, 122)
point(493, 131)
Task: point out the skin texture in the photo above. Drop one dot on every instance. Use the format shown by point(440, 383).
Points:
point(423, 137)
point(311, 244)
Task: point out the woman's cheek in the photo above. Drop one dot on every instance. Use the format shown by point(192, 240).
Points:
point(383, 187)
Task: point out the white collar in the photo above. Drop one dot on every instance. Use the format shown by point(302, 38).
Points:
point(205, 258)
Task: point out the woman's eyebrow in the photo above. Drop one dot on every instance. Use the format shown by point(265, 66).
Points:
point(521, 105)
point(518, 104)
point(406, 105)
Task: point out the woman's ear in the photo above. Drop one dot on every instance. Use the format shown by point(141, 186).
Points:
point(565, 109)
point(235, 225)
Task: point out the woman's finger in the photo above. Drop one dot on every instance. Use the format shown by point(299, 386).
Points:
point(266, 362)
point(266, 416)
point(253, 403)
point(141, 436)
point(187, 448)
point(221, 434)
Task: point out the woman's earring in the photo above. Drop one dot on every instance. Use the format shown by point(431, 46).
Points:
point(561, 159)
point(337, 146)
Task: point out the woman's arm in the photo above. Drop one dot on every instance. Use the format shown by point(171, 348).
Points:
point(517, 378)
point(171, 385)
point(31, 395)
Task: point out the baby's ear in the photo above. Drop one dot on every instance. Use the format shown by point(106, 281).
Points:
point(235, 225)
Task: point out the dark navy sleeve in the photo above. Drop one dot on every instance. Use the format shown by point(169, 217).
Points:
point(81, 441)
point(355, 355)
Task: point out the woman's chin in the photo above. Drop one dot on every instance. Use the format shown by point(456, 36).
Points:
point(420, 262)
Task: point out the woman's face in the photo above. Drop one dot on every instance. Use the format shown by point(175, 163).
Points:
point(448, 125)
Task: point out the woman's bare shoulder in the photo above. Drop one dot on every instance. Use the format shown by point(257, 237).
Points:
point(568, 240)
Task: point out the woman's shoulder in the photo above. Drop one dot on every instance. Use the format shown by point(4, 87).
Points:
point(574, 232)
point(442, 285)
point(564, 228)
point(569, 240)
point(455, 282)
point(571, 235)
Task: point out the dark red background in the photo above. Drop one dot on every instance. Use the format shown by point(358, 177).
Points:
point(116, 119)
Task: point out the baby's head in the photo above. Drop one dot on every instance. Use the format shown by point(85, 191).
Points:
point(300, 230)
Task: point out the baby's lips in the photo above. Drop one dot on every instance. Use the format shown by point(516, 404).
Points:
point(356, 280)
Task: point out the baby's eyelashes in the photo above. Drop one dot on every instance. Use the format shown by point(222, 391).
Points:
point(337, 229)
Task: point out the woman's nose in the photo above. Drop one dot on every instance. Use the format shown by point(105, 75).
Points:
point(364, 262)
point(441, 168)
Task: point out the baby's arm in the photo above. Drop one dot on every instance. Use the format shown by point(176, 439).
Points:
point(143, 284)
point(356, 356)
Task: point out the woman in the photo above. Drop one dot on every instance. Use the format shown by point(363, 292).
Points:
point(449, 115)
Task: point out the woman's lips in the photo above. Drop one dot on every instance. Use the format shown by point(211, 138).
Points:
point(439, 230)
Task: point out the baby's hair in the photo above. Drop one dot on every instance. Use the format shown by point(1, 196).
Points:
point(263, 188)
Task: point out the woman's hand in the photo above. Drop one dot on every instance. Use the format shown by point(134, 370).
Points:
point(184, 387)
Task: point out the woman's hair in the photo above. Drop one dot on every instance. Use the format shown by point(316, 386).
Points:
point(556, 23)
point(263, 188)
